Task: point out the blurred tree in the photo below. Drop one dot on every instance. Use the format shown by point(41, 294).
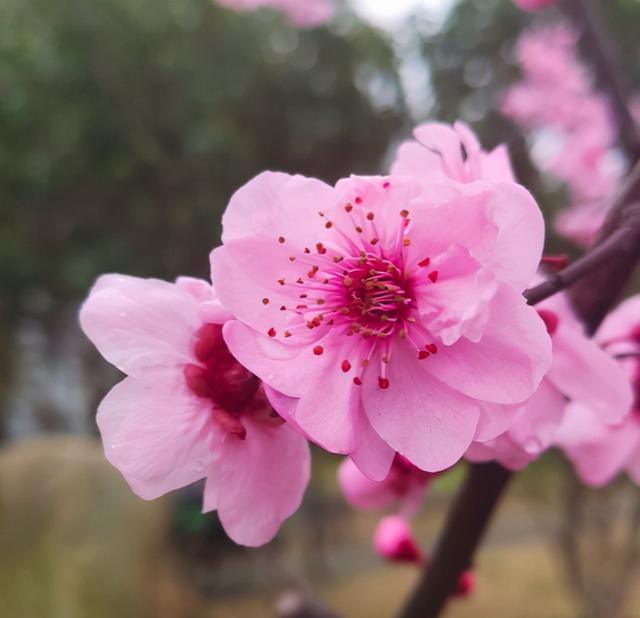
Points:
point(125, 126)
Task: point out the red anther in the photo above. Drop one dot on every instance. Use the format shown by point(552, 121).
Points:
point(346, 366)
point(328, 224)
point(550, 319)
point(404, 213)
point(386, 184)
point(370, 216)
point(423, 354)
point(555, 262)
point(424, 263)
point(433, 275)
point(318, 350)
point(307, 250)
point(283, 308)
point(265, 301)
point(281, 239)
point(357, 381)
point(383, 383)
point(271, 332)
point(432, 347)
point(229, 423)
point(358, 200)
point(348, 207)
point(321, 248)
point(197, 380)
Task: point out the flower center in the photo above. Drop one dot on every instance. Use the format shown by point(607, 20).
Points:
point(233, 390)
point(361, 282)
point(376, 296)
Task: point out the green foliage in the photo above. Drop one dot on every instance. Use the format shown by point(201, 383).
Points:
point(125, 125)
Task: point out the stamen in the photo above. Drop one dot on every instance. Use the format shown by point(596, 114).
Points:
point(271, 332)
point(433, 275)
point(346, 366)
point(383, 383)
point(318, 350)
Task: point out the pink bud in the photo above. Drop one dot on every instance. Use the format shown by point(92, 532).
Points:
point(466, 584)
point(534, 5)
point(394, 540)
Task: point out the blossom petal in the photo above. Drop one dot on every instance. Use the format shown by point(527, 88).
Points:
point(372, 455)
point(274, 205)
point(506, 366)
point(597, 451)
point(421, 418)
point(260, 481)
point(585, 373)
point(495, 419)
point(160, 439)
point(140, 325)
point(362, 492)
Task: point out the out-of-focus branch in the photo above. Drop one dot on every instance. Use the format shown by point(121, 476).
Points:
point(599, 44)
point(602, 272)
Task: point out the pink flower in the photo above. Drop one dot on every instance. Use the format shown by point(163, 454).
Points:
point(393, 540)
point(599, 450)
point(534, 5)
point(403, 488)
point(301, 13)
point(386, 311)
point(557, 94)
point(580, 372)
point(453, 151)
point(188, 410)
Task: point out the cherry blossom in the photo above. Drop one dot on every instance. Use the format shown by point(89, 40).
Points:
point(188, 410)
point(403, 489)
point(557, 96)
point(599, 450)
point(301, 13)
point(386, 313)
point(580, 372)
point(534, 5)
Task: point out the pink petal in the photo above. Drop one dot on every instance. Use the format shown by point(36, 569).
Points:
point(360, 491)
point(537, 425)
point(274, 205)
point(141, 325)
point(443, 140)
point(506, 366)
point(496, 166)
point(259, 482)
point(515, 257)
point(372, 455)
point(159, 438)
point(495, 419)
point(598, 452)
point(458, 305)
point(277, 365)
point(413, 159)
point(426, 421)
point(583, 372)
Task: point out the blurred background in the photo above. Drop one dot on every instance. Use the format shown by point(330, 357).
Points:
point(125, 126)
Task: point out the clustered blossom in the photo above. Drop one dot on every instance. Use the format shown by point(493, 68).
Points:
point(381, 318)
point(557, 95)
point(581, 372)
point(301, 13)
point(534, 5)
point(598, 449)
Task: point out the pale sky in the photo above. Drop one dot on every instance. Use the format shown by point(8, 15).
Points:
point(390, 12)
